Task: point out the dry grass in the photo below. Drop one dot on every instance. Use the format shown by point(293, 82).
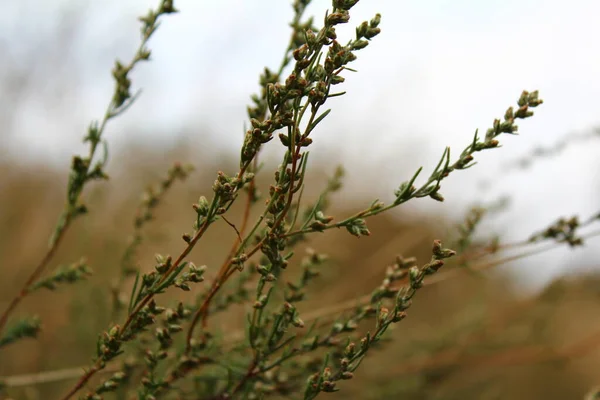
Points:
point(465, 338)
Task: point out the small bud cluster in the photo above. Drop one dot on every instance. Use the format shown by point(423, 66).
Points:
point(153, 382)
point(563, 230)
point(27, 327)
point(352, 354)
point(467, 229)
point(358, 227)
point(72, 273)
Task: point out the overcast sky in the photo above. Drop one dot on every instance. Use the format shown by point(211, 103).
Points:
point(439, 70)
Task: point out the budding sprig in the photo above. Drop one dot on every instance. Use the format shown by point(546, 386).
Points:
point(72, 273)
point(356, 224)
point(326, 379)
point(564, 230)
point(303, 92)
point(109, 385)
point(163, 277)
point(266, 332)
point(444, 168)
point(27, 327)
point(142, 311)
point(467, 229)
point(83, 168)
point(311, 79)
point(268, 325)
point(404, 269)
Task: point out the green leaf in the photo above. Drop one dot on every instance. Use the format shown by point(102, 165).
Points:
point(316, 122)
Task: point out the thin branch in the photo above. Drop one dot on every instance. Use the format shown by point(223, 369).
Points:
point(37, 272)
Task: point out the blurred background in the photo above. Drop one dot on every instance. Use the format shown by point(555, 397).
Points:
point(438, 71)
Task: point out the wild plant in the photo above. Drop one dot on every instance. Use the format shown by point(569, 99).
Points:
point(159, 348)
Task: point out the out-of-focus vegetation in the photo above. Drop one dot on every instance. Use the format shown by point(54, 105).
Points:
point(468, 338)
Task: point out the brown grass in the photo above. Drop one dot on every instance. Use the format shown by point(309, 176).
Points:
point(468, 338)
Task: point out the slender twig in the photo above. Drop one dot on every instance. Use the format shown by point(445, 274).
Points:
point(37, 272)
point(225, 272)
point(120, 101)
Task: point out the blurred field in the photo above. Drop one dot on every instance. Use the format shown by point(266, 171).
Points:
point(467, 338)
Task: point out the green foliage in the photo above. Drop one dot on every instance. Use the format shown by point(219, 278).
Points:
point(22, 328)
point(67, 274)
point(174, 352)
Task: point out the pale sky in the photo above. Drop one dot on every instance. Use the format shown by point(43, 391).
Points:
point(439, 70)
